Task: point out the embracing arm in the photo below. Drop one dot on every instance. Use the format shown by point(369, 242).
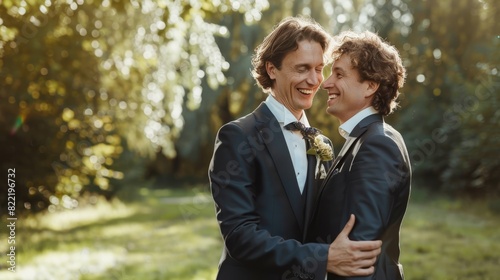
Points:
point(352, 258)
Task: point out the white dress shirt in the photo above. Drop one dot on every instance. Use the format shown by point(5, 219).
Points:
point(294, 139)
point(346, 128)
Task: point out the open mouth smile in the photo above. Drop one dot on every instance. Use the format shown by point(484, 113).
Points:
point(332, 96)
point(306, 91)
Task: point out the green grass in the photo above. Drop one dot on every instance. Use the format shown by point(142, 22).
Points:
point(450, 239)
point(158, 237)
point(149, 239)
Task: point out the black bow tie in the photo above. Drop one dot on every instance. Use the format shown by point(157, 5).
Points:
point(307, 132)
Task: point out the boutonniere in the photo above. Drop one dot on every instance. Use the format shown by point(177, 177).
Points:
point(320, 146)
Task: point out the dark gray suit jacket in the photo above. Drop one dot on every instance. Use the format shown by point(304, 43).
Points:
point(260, 210)
point(370, 178)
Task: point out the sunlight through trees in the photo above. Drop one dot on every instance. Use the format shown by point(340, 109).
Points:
point(94, 91)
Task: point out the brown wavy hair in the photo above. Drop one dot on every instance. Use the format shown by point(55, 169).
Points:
point(377, 61)
point(284, 39)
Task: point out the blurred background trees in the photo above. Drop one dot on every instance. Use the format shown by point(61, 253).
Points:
point(99, 95)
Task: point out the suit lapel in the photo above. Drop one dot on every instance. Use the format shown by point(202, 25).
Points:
point(333, 170)
point(356, 133)
point(272, 135)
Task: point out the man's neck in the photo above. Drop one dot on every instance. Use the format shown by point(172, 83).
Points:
point(297, 113)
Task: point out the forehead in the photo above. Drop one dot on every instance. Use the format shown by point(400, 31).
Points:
point(343, 63)
point(307, 52)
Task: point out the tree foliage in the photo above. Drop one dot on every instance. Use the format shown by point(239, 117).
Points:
point(82, 81)
point(89, 87)
point(451, 119)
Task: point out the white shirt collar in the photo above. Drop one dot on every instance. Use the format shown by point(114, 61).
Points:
point(346, 128)
point(282, 114)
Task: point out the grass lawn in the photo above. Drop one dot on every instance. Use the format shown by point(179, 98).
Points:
point(173, 235)
point(450, 239)
point(157, 237)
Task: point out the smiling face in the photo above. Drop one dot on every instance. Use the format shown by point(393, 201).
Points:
point(299, 78)
point(347, 94)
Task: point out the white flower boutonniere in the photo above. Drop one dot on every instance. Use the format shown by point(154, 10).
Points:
point(322, 149)
point(320, 146)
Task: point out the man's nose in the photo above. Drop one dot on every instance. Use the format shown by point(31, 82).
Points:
point(314, 78)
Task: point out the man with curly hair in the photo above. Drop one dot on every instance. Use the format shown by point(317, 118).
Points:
point(263, 182)
point(371, 176)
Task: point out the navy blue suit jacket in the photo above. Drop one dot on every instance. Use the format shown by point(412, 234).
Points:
point(260, 210)
point(370, 178)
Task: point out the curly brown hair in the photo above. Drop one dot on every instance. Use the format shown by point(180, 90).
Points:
point(377, 61)
point(284, 39)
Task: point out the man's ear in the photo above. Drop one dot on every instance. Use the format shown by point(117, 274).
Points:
point(271, 70)
point(372, 87)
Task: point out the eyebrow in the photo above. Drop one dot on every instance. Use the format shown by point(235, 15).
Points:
point(339, 69)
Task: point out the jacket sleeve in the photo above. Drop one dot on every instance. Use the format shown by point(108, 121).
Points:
point(232, 174)
point(375, 179)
